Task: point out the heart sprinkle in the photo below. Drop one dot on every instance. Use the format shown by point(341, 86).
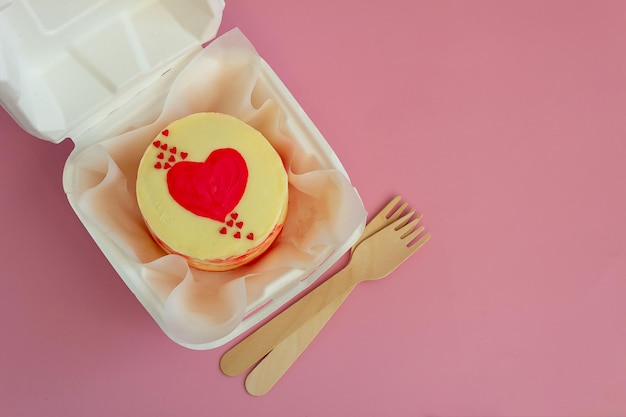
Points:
point(229, 223)
point(237, 235)
point(166, 166)
point(239, 224)
point(165, 132)
point(157, 165)
point(183, 155)
point(161, 156)
point(234, 215)
point(172, 158)
point(164, 146)
point(157, 143)
point(223, 230)
point(173, 149)
point(250, 236)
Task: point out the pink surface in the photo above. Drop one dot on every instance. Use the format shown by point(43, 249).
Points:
point(503, 122)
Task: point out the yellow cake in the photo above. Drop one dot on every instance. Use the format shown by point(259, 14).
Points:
point(212, 189)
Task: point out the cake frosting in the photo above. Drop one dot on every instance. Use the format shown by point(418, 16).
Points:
point(212, 189)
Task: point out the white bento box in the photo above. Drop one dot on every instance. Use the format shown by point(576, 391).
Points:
point(109, 75)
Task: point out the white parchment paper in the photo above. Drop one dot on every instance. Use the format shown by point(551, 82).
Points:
point(196, 307)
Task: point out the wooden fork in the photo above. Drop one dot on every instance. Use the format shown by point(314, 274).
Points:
point(251, 349)
point(374, 258)
point(285, 337)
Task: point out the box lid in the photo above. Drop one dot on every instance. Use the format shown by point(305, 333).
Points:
point(65, 66)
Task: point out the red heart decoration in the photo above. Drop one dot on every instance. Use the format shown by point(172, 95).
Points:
point(211, 188)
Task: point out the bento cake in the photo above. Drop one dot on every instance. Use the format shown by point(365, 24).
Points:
point(212, 189)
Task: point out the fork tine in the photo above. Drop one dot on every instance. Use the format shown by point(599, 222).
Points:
point(407, 218)
point(397, 212)
point(416, 244)
point(403, 221)
point(410, 235)
point(407, 227)
point(390, 206)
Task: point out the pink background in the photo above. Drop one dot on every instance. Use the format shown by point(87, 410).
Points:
point(503, 122)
